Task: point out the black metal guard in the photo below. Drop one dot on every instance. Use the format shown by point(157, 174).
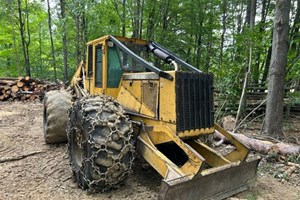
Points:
point(194, 101)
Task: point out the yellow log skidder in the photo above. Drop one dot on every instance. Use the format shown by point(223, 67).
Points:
point(125, 104)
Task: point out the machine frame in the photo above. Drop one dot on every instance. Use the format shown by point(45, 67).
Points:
point(157, 124)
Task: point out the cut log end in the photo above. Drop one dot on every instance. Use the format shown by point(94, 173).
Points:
point(23, 89)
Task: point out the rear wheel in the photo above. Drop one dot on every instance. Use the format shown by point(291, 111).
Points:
point(100, 143)
point(55, 115)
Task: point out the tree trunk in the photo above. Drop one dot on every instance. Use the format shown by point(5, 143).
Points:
point(209, 45)
point(165, 15)
point(124, 18)
point(253, 13)
point(17, 61)
point(261, 146)
point(51, 40)
point(141, 19)
point(256, 70)
point(151, 22)
point(240, 18)
point(137, 20)
point(25, 43)
point(122, 15)
point(40, 51)
point(294, 37)
point(295, 28)
point(224, 17)
point(250, 21)
point(267, 65)
point(274, 110)
point(84, 33)
point(198, 47)
point(78, 43)
point(65, 49)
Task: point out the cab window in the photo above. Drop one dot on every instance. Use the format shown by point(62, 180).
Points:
point(114, 67)
point(98, 70)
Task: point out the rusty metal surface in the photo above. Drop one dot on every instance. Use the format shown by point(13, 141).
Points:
point(150, 95)
point(217, 185)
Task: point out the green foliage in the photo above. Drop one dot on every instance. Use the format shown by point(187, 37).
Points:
point(211, 35)
point(103, 20)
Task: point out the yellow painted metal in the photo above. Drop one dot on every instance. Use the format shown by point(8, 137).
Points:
point(195, 161)
point(123, 39)
point(132, 40)
point(212, 158)
point(130, 96)
point(160, 137)
point(196, 132)
point(154, 157)
point(150, 93)
point(161, 163)
point(197, 152)
point(242, 150)
point(94, 70)
point(88, 81)
point(167, 111)
point(104, 66)
point(134, 87)
point(130, 102)
point(113, 92)
point(156, 131)
point(98, 40)
point(76, 77)
point(87, 58)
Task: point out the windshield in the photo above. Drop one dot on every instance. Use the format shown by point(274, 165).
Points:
point(127, 62)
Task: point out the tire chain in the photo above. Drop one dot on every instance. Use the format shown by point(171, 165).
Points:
point(109, 105)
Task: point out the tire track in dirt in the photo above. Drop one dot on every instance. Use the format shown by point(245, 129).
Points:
point(48, 175)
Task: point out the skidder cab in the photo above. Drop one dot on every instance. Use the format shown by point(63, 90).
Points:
point(127, 104)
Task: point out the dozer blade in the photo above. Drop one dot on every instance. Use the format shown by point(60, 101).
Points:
point(215, 183)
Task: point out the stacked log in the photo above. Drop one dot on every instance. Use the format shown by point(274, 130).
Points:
point(24, 88)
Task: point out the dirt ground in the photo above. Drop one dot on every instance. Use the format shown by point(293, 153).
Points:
point(29, 169)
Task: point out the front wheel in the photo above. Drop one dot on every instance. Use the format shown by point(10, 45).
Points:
point(100, 143)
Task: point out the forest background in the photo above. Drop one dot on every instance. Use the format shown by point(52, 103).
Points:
point(231, 39)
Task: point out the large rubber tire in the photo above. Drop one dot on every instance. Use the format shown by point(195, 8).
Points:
point(55, 116)
point(100, 143)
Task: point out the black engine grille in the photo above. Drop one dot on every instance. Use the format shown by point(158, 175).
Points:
point(194, 101)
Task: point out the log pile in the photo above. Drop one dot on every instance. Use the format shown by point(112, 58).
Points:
point(24, 88)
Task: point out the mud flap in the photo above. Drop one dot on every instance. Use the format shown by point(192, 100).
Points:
point(217, 183)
